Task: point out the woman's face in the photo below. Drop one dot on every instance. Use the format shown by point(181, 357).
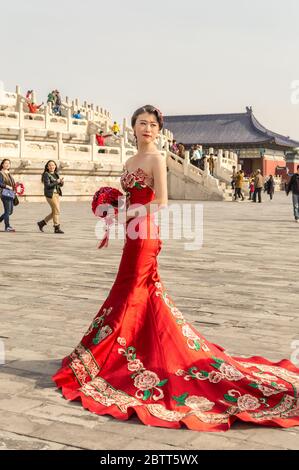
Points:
point(6, 165)
point(146, 128)
point(51, 167)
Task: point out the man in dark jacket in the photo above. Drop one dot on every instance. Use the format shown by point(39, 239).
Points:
point(294, 187)
point(269, 186)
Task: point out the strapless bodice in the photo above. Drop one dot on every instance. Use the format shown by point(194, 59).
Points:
point(138, 186)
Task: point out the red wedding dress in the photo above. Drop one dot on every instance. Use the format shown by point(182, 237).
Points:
point(141, 355)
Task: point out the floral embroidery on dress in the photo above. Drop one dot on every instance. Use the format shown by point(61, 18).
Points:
point(136, 179)
point(288, 405)
point(200, 407)
point(245, 402)
point(103, 331)
point(194, 341)
point(83, 364)
point(104, 393)
point(287, 408)
point(194, 402)
point(159, 411)
point(278, 372)
point(225, 371)
point(147, 382)
point(272, 388)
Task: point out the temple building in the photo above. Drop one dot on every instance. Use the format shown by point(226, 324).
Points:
point(256, 146)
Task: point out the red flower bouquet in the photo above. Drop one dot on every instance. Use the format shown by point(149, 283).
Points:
point(105, 198)
point(20, 189)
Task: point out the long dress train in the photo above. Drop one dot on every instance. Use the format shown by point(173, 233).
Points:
point(141, 355)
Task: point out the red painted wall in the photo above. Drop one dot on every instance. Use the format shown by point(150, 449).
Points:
point(292, 166)
point(270, 165)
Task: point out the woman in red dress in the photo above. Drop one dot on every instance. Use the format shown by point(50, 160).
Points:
point(141, 356)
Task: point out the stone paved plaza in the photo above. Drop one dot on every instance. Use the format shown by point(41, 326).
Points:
point(240, 290)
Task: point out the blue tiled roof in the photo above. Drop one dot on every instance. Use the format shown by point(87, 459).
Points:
point(220, 129)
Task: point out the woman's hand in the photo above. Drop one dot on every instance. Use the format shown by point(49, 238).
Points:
point(120, 219)
point(130, 215)
point(9, 187)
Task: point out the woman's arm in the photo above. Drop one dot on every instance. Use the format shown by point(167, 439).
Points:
point(2, 184)
point(61, 181)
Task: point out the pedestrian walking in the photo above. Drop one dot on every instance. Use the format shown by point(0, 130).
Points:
point(52, 191)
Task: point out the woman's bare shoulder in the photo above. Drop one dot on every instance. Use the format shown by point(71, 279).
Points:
point(155, 157)
point(127, 161)
point(157, 160)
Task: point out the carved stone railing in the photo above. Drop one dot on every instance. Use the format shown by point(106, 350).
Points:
point(9, 149)
point(58, 149)
point(224, 163)
point(183, 168)
point(14, 112)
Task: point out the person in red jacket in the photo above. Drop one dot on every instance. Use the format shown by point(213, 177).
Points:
point(100, 138)
point(33, 108)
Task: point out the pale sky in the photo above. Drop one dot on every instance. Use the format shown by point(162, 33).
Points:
point(185, 57)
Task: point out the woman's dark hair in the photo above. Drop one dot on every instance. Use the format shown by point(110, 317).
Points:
point(47, 169)
point(148, 109)
point(3, 161)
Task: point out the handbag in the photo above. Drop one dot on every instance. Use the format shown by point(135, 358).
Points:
point(8, 193)
point(16, 201)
